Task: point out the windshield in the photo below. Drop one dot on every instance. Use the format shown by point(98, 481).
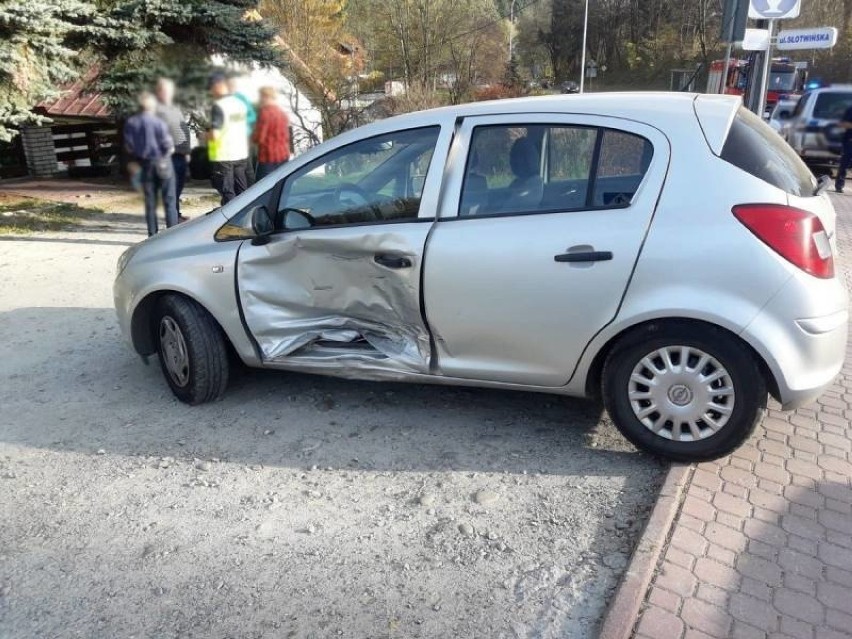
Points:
point(832, 106)
point(782, 81)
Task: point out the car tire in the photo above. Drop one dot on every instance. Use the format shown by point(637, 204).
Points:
point(697, 412)
point(192, 350)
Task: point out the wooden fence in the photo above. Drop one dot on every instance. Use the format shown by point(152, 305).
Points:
point(98, 143)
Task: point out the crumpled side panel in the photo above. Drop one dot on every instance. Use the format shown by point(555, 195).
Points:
point(323, 286)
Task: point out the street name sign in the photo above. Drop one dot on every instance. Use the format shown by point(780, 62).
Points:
point(797, 39)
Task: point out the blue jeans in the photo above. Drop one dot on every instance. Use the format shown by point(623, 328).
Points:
point(158, 179)
point(845, 165)
point(179, 164)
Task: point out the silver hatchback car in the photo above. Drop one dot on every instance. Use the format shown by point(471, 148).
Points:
point(668, 253)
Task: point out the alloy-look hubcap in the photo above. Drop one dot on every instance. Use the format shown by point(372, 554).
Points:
point(681, 393)
point(174, 350)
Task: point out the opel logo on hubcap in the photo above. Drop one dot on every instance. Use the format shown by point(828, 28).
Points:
point(680, 395)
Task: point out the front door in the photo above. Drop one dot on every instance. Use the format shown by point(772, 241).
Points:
point(542, 225)
point(337, 287)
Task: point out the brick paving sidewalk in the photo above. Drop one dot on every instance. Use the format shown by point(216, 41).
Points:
point(762, 543)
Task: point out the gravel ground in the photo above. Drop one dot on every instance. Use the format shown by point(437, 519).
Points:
point(299, 506)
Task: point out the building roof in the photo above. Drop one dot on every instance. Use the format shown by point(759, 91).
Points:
point(77, 101)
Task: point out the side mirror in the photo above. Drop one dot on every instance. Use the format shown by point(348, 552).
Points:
point(784, 115)
point(261, 225)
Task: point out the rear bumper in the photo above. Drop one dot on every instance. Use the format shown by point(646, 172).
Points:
point(801, 335)
point(824, 346)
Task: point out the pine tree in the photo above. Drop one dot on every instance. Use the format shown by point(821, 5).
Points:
point(176, 38)
point(46, 43)
point(40, 42)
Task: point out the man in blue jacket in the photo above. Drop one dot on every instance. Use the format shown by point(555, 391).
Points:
point(148, 142)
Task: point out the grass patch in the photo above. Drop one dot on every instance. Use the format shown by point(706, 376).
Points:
point(18, 217)
point(201, 201)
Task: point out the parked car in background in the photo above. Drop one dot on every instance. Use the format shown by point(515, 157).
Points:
point(812, 130)
point(781, 114)
point(569, 87)
point(571, 245)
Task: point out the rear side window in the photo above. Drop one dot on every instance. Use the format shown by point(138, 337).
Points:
point(832, 105)
point(541, 168)
point(624, 159)
point(756, 149)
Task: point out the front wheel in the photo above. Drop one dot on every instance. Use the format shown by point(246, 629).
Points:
point(192, 350)
point(684, 393)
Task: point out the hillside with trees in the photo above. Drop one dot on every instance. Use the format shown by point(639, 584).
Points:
point(441, 51)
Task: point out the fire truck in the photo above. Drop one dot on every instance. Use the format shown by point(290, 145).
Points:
point(785, 78)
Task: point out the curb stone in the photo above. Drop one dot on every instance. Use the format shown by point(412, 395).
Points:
point(623, 611)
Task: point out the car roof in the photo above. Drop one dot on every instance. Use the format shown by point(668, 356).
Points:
point(632, 104)
point(837, 88)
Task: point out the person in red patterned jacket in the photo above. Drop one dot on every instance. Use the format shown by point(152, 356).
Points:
point(271, 134)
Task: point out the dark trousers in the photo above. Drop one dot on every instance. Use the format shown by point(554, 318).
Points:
point(158, 179)
point(845, 165)
point(180, 166)
point(265, 168)
point(230, 178)
point(251, 174)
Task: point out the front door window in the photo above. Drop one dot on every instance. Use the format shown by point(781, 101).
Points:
point(376, 180)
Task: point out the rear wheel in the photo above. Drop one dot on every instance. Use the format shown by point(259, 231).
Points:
point(684, 393)
point(192, 350)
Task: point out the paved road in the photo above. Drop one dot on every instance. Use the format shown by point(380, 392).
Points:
point(762, 545)
point(298, 506)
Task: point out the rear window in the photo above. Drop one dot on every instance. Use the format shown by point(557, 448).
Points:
point(757, 149)
point(832, 106)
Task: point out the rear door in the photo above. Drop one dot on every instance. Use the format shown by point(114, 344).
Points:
point(542, 222)
point(338, 285)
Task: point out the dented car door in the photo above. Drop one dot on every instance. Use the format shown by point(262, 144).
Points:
point(337, 287)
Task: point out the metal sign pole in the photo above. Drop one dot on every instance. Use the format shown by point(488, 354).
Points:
point(767, 68)
point(755, 74)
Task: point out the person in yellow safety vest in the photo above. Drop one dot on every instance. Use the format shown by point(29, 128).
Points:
point(228, 141)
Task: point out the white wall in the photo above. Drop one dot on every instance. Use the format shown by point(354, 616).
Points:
point(304, 117)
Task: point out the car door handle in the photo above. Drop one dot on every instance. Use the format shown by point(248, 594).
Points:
point(584, 256)
point(392, 261)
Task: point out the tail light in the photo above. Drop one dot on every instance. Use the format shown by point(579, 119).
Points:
point(796, 235)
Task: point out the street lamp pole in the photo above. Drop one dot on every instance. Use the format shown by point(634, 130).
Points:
point(583, 55)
